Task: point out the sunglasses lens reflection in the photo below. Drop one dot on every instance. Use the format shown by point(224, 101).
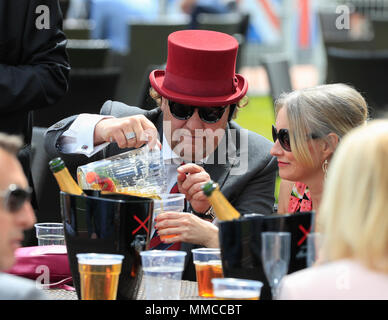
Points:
point(212, 115)
point(181, 111)
point(207, 114)
point(283, 136)
point(16, 199)
point(284, 140)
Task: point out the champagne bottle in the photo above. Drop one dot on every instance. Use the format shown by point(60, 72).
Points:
point(62, 175)
point(221, 206)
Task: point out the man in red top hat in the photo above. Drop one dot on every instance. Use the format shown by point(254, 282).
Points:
point(197, 95)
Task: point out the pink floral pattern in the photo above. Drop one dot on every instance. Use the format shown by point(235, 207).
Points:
point(300, 199)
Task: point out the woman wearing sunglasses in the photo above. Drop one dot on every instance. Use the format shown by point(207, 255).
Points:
point(309, 124)
point(197, 94)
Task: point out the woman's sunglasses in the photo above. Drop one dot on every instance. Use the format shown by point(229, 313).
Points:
point(207, 114)
point(284, 138)
point(15, 197)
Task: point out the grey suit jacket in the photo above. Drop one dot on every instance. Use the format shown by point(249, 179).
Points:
point(16, 288)
point(244, 170)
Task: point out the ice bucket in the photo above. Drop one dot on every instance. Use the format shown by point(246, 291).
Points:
point(240, 242)
point(116, 224)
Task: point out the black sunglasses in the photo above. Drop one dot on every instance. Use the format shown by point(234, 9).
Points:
point(15, 197)
point(207, 114)
point(284, 137)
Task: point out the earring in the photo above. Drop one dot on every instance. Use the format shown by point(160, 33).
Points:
point(325, 165)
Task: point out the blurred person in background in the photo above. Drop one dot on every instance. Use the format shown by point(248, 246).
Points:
point(112, 19)
point(16, 215)
point(309, 125)
point(78, 9)
point(353, 219)
point(34, 67)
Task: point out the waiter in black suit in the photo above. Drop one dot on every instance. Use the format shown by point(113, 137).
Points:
point(198, 94)
point(34, 66)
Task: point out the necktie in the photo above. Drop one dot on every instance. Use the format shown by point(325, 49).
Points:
point(156, 243)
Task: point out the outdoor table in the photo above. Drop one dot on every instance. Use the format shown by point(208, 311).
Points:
point(189, 291)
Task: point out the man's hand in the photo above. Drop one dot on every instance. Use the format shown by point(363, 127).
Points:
point(191, 178)
point(116, 129)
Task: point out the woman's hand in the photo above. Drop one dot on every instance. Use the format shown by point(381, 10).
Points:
point(127, 132)
point(188, 228)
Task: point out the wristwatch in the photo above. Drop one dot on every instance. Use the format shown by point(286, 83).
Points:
point(208, 215)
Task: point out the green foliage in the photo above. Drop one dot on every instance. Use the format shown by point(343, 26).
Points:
point(258, 116)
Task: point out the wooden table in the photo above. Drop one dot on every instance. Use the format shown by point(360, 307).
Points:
point(189, 291)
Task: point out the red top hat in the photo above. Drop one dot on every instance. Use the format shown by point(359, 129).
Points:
point(200, 69)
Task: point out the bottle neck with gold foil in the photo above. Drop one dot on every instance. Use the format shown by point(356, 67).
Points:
point(221, 206)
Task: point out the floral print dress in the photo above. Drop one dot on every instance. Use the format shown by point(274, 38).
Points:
point(300, 199)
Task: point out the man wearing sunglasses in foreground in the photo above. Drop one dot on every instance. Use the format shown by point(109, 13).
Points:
point(197, 94)
point(16, 215)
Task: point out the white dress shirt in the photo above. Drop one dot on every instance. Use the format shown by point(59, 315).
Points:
point(79, 138)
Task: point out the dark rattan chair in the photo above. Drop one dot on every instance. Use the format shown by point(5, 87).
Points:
point(364, 70)
point(87, 53)
point(88, 90)
point(148, 47)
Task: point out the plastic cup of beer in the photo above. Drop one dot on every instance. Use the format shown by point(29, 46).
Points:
point(162, 273)
point(208, 265)
point(236, 289)
point(99, 275)
point(168, 202)
point(49, 234)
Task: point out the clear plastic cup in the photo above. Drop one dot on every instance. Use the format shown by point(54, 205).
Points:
point(99, 275)
point(208, 265)
point(138, 172)
point(168, 202)
point(236, 289)
point(162, 273)
point(50, 233)
point(314, 246)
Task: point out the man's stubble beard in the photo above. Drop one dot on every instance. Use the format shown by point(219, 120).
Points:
point(195, 150)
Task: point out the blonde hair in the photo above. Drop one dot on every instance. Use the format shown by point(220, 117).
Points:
point(320, 110)
point(240, 104)
point(354, 210)
point(10, 143)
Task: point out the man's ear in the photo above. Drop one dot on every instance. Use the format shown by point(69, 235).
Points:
point(330, 145)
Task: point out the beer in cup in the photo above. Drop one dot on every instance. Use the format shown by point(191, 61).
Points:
point(99, 275)
point(208, 265)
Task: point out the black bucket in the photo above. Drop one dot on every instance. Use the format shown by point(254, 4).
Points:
point(116, 224)
point(240, 242)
